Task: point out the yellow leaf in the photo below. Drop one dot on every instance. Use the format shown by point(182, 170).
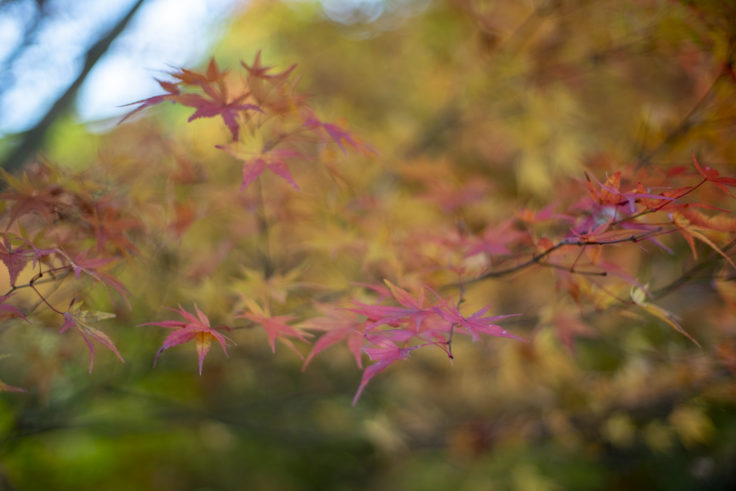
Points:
point(639, 297)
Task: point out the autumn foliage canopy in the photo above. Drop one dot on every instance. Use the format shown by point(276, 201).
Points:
point(268, 221)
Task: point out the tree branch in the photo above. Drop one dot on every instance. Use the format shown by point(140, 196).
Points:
point(33, 138)
point(536, 259)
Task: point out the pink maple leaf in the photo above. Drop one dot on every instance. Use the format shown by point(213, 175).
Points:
point(475, 324)
point(79, 320)
point(274, 161)
point(195, 327)
point(337, 134)
point(9, 309)
point(15, 259)
point(338, 325)
point(412, 310)
point(495, 239)
point(385, 352)
point(81, 263)
point(275, 325)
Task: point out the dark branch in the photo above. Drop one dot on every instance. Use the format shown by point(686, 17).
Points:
point(33, 138)
point(688, 121)
point(537, 258)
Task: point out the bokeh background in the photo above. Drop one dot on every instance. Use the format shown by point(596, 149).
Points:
point(491, 102)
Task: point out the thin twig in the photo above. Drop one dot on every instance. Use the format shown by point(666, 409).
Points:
point(460, 300)
point(688, 275)
point(536, 259)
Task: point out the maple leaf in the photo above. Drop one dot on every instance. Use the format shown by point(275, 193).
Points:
point(530, 216)
point(385, 352)
point(184, 216)
point(9, 310)
point(720, 222)
point(382, 291)
point(276, 326)
point(663, 199)
point(190, 77)
point(15, 259)
point(172, 90)
point(433, 323)
point(412, 309)
point(340, 324)
point(110, 226)
point(274, 161)
point(79, 320)
point(476, 324)
point(256, 70)
point(275, 286)
point(337, 134)
point(214, 102)
point(611, 197)
point(31, 196)
point(691, 232)
point(712, 175)
point(495, 239)
point(451, 198)
point(81, 263)
point(38, 253)
point(638, 295)
point(210, 108)
point(195, 327)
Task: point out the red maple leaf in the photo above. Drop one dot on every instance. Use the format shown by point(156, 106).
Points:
point(172, 90)
point(713, 176)
point(217, 106)
point(110, 227)
point(33, 195)
point(256, 70)
point(214, 102)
